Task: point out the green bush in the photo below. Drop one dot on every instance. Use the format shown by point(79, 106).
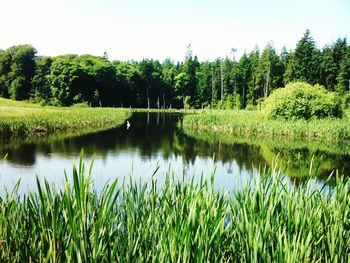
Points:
point(300, 100)
point(229, 102)
point(251, 107)
point(238, 102)
point(187, 102)
point(219, 105)
point(81, 105)
point(346, 101)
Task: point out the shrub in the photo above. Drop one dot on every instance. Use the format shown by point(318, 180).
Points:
point(251, 107)
point(238, 102)
point(346, 101)
point(229, 102)
point(81, 105)
point(16, 89)
point(300, 100)
point(187, 102)
point(42, 103)
point(219, 105)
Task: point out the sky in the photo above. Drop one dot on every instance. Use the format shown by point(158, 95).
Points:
point(159, 29)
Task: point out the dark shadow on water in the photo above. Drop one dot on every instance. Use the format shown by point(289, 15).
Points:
point(157, 134)
point(293, 155)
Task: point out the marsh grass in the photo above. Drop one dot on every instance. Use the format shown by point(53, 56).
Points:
point(20, 118)
point(255, 123)
point(185, 220)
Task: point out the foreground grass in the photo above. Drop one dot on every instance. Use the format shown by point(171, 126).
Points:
point(180, 221)
point(254, 123)
point(25, 118)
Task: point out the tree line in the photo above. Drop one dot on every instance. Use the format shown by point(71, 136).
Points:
point(223, 83)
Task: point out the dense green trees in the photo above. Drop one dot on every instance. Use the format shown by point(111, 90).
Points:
point(17, 68)
point(222, 83)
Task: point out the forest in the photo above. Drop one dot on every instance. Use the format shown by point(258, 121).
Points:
point(226, 83)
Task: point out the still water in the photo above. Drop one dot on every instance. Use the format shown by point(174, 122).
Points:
point(158, 140)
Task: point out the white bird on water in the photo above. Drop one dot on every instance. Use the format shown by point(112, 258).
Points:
point(127, 125)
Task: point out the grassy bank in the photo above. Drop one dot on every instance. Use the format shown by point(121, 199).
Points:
point(25, 118)
point(254, 123)
point(186, 221)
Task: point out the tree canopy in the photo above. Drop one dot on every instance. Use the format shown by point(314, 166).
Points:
point(222, 83)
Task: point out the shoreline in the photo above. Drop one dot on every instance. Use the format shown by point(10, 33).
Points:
point(245, 123)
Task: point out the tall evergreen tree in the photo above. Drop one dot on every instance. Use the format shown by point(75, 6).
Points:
point(243, 77)
point(252, 77)
point(190, 68)
point(343, 77)
point(169, 71)
point(204, 83)
point(304, 61)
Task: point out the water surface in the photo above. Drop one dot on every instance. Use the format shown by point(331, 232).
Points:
point(156, 139)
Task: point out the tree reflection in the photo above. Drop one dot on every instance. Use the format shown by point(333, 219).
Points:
point(161, 135)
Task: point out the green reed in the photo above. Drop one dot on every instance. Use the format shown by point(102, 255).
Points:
point(254, 123)
point(18, 118)
point(181, 220)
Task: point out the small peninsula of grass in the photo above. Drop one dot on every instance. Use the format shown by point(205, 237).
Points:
point(19, 118)
point(255, 123)
point(298, 110)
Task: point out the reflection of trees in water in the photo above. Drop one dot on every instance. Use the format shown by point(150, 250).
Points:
point(150, 134)
point(294, 156)
point(156, 134)
point(24, 155)
point(296, 162)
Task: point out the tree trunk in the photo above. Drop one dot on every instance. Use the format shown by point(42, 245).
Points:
point(183, 102)
point(212, 89)
point(148, 104)
point(243, 102)
point(267, 82)
point(222, 82)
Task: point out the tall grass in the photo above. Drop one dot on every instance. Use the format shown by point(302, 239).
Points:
point(24, 118)
point(178, 221)
point(254, 123)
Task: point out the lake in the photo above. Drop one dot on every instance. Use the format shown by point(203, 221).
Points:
point(158, 140)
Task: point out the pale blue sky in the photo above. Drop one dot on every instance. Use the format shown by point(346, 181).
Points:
point(158, 29)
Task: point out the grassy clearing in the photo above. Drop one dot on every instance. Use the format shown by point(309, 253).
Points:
point(24, 118)
point(180, 221)
point(16, 103)
point(254, 123)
